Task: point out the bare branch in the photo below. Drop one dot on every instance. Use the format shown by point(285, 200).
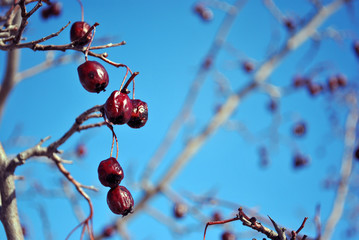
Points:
point(346, 168)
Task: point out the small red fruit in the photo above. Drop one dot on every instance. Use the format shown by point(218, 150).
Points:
point(93, 76)
point(54, 9)
point(217, 216)
point(300, 161)
point(356, 47)
point(78, 30)
point(248, 66)
point(108, 231)
point(300, 129)
point(227, 235)
point(120, 200)
point(356, 153)
point(139, 114)
point(110, 172)
point(81, 150)
point(314, 88)
point(342, 80)
point(118, 108)
point(180, 210)
point(299, 81)
point(333, 83)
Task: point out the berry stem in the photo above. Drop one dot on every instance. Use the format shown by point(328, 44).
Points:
point(124, 89)
point(89, 45)
point(82, 10)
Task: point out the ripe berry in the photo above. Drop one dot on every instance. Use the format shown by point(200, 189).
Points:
point(299, 81)
point(314, 88)
point(203, 12)
point(227, 235)
point(110, 172)
point(118, 108)
point(180, 210)
point(356, 47)
point(120, 200)
point(356, 153)
point(300, 129)
point(78, 30)
point(248, 66)
point(81, 150)
point(54, 9)
point(289, 24)
point(342, 80)
point(108, 231)
point(93, 76)
point(217, 216)
point(333, 83)
point(300, 161)
point(139, 114)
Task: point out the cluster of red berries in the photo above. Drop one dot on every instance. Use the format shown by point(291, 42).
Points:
point(119, 199)
point(118, 109)
point(333, 83)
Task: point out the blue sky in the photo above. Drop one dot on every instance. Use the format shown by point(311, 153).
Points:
point(166, 43)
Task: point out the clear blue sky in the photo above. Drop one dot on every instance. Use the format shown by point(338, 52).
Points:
point(166, 43)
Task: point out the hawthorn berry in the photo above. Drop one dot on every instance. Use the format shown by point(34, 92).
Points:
point(333, 83)
point(180, 210)
point(300, 161)
point(356, 47)
point(314, 88)
point(78, 30)
point(110, 172)
point(356, 153)
point(54, 9)
point(299, 81)
point(120, 200)
point(108, 231)
point(139, 114)
point(342, 80)
point(93, 76)
point(227, 235)
point(81, 150)
point(248, 66)
point(300, 129)
point(118, 108)
point(216, 216)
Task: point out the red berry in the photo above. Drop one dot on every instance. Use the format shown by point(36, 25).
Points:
point(216, 216)
point(300, 161)
point(356, 153)
point(248, 66)
point(93, 76)
point(78, 30)
point(289, 23)
point(118, 108)
point(81, 150)
point(227, 235)
point(139, 114)
point(299, 81)
point(180, 210)
point(333, 83)
point(54, 9)
point(356, 47)
point(108, 231)
point(110, 172)
point(342, 80)
point(314, 88)
point(120, 200)
point(300, 129)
